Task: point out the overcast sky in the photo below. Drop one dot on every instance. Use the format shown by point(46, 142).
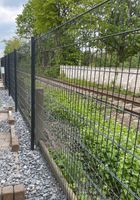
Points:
point(9, 9)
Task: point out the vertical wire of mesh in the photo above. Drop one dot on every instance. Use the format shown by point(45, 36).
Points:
point(87, 99)
point(23, 71)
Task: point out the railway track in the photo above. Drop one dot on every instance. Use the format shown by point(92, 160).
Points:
point(126, 103)
point(124, 108)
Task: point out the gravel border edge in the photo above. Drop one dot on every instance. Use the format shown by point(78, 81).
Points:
point(57, 173)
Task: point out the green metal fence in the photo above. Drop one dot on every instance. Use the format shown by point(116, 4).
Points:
point(87, 99)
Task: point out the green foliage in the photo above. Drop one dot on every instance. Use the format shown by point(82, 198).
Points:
point(12, 44)
point(106, 140)
point(68, 167)
point(25, 22)
point(52, 72)
point(39, 16)
point(112, 18)
point(120, 16)
point(73, 170)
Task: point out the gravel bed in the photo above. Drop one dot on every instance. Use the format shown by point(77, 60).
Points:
point(28, 167)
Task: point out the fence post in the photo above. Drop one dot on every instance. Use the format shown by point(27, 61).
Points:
point(15, 75)
point(39, 98)
point(32, 92)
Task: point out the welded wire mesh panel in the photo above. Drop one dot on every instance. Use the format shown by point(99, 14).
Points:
point(24, 81)
point(12, 74)
point(87, 100)
point(6, 71)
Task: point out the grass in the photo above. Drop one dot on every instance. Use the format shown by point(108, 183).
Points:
point(109, 152)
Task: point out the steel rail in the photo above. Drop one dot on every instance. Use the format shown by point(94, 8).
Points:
point(93, 90)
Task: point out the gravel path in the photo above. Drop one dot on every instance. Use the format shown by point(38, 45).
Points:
point(28, 167)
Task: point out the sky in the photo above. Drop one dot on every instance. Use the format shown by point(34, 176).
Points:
point(9, 9)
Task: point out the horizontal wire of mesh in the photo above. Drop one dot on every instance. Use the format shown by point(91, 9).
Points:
point(87, 100)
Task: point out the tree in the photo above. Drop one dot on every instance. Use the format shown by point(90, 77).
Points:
point(52, 13)
point(25, 22)
point(111, 29)
point(39, 16)
point(12, 44)
point(115, 22)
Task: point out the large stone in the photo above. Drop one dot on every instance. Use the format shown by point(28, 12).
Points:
point(7, 193)
point(3, 116)
point(15, 145)
point(4, 141)
point(11, 118)
point(1, 85)
point(19, 192)
point(14, 140)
